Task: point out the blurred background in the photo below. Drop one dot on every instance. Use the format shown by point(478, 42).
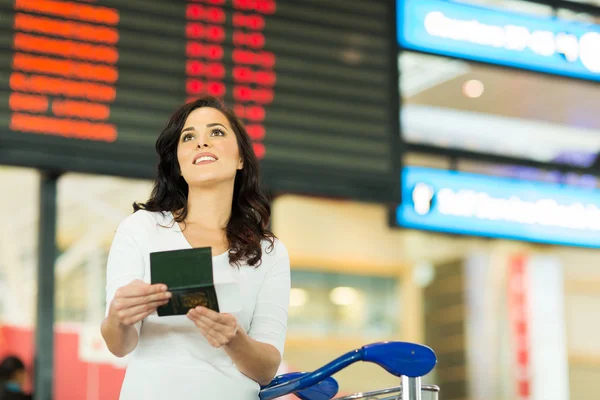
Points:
point(432, 165)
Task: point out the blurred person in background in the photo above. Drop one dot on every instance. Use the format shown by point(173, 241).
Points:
point(13, 376)
point(206, 194)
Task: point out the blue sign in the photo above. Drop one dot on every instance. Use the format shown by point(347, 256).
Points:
point(480, 205)
point(543, 44)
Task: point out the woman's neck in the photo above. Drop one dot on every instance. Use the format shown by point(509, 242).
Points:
point(210, 208)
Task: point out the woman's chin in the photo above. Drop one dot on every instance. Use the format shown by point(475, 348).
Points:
point(208, 181)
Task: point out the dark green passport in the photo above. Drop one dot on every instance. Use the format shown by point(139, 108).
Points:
point(188, 275)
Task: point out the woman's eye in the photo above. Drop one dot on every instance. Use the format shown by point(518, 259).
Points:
point(217, 132)
point(187, 137)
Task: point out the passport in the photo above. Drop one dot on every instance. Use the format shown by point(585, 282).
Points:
point(188, 274)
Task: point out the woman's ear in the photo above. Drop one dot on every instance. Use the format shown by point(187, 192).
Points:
point(240, 164)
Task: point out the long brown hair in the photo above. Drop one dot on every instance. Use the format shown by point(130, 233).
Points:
point(250, 210)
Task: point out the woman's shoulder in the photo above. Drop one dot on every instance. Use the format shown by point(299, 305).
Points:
point(142, 220)
point(274, 250)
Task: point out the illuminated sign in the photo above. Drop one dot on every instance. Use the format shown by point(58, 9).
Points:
point(543, 44)
point(57, 79)
point(89, 86)
point(480, 205)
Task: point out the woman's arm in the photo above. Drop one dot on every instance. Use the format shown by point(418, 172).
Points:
point(128, 299)
point(258, 353)
point(258, 361)
point(130, 305)
point(120, 339)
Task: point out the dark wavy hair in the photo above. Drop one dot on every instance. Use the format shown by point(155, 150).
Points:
point(250, 210)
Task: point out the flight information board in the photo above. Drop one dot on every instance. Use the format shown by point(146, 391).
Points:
point(88, 85)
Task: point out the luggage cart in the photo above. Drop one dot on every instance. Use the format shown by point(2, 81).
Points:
point(409, 361)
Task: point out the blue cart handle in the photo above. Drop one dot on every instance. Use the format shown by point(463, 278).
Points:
point(397, 358)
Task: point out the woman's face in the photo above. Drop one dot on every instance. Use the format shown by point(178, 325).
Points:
point(207, 150)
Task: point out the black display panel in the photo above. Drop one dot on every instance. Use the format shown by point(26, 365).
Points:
point(87, 86)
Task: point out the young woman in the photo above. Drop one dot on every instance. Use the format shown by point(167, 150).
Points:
point(206, 194)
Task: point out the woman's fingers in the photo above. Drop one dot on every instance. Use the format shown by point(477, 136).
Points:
point(224, 323)
point(140, 309)
point(153, 297)
point(138, 288)
point(210, 314)
point(219, 329)
point(134, 319)
point(124, 303)
point(137, 300)
point(214, 337)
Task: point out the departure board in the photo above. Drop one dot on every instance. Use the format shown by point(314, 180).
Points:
point(87, 86)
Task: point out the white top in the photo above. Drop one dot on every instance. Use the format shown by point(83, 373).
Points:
point(172, 359)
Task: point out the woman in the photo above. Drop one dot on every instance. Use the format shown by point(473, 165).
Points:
point(12, 379)
point(206, 194)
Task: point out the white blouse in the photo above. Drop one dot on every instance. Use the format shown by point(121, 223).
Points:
point(172, 359)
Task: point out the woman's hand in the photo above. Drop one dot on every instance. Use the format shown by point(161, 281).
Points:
point(135, 301)
point(258, 361)
point(219, 329)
